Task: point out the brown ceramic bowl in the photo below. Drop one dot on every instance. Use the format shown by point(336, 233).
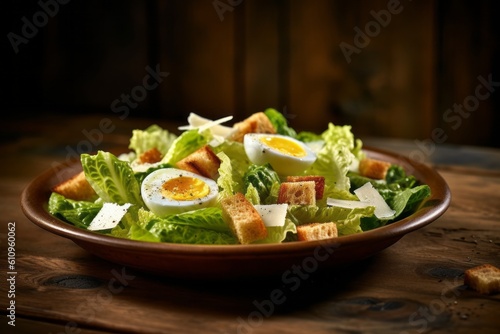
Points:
point(237, 261)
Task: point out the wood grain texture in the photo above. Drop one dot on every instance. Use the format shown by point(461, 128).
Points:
point(238, 57)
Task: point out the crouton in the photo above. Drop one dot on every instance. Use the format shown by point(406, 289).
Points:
point(256, 123)
point(374, 169)
point(243, 219)
point(319, 182)
point(76, 188)
point(483, 278)
point(203, 162)
point(316, 231)
point(297, 193)
point(150, 156)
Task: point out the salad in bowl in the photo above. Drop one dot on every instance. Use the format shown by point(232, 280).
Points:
point(258, 181)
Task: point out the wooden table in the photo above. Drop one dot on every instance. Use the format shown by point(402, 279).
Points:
point(415, 286)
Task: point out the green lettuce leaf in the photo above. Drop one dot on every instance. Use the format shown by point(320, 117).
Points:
point(112, 179)
point(407, 201)
point(234, 163)
point(188, 142)
point(140, 176)
point(276, 234)
point(279, 122)
point(204, 226)
point(348, 220)
point(307, 136)
point(229, 180)
point(400, 191)
point(78, 213)
point(252, 195)
point(263, 179)
point(152, 137)
point(334, 159)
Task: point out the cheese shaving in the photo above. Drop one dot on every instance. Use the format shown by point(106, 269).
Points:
point(202, 124)
point(109, 216)
point(367, 193)
point(272, 214)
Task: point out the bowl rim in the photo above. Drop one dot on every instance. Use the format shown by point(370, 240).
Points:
point(34, 200)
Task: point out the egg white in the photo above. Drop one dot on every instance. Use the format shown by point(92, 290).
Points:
point(151, 192)
point(284, 164)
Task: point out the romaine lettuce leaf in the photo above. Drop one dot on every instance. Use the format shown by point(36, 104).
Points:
point(400, 191)
point(407, 201)
point(140, 176)
point(307, 136)
point(342, 136)
point(204, 226)
point(279, 122)
point(276, 234)
point(262, 178)
point(229, 181)
point(188, 142)
point(334, 160)
point(348, 220)
point(78, 213)
point(112, 179)
point(252, 195)
point(234, 163)
point(151, 137)
point(333, 163)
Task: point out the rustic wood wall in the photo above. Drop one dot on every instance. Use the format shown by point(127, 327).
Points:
point(387, 67)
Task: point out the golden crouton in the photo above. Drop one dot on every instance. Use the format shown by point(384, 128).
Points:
point(150, 156)
point(319, 182)
point(76, 188)
point(256, 123)
point(484, 278)
point(243, 219)
point(203, 162)
point(316, 231)
point(374, 169)
point(297, 193)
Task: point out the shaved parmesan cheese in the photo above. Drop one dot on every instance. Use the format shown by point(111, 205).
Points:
point(367, 193)
point(343, 203)
point(202, 124)
point(272, 214)
point(109, 216)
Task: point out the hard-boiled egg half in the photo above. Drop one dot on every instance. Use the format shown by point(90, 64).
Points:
point(286, 155)
point(171, 191)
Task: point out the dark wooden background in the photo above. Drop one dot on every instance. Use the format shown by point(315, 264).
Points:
point(241, 56)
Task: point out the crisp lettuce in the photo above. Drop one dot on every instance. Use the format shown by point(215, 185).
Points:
point(334, 159)
point(79, 213)
point(276, 234)
point(263, 179)
point(188, 142)
point(279, 122)
point(204, 226)
point(112, 179)
point(229, 180)
point(307, 136)
point(407, 201)
point(234, 163)
point(152, 137)
point(348, 221)
point(140, 176)
point(399, 190)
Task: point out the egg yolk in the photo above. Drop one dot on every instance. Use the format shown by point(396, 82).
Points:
point(185, 188)
point(284, 146)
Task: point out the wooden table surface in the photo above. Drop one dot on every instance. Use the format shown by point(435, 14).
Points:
point(414, 286)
